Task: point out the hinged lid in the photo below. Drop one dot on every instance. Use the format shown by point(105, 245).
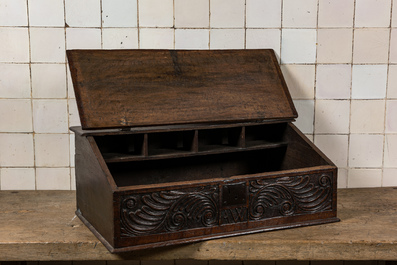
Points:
point(128, 88)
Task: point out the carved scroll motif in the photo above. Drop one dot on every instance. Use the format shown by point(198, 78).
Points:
point(289, 196)
point(169, 211)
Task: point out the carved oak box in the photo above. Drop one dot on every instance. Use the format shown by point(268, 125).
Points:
point(180, 146)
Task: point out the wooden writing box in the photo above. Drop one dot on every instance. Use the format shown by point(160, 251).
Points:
point(182, 146)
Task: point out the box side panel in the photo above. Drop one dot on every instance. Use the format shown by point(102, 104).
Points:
point(301, 152)
point(158, 217)
point(93, 192)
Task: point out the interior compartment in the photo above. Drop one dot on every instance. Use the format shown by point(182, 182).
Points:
point(170, 142)
point(257, 135)
point(212, 139)
point(295, 154)
point(121, 145)
point(196, 168)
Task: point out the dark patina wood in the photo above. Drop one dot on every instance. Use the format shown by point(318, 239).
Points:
point(127, 88)
point(231, 164)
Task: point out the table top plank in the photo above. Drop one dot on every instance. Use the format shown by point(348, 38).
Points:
point(42, 225)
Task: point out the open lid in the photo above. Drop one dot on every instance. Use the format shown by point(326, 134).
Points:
point(129, 88)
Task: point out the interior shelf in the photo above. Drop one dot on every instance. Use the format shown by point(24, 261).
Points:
point(177, 144)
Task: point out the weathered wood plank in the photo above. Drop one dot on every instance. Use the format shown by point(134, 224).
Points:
point(41, 225)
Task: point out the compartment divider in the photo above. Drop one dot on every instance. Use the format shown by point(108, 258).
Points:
point(145, 145)
point(194, 148)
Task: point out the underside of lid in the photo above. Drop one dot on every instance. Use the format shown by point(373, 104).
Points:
point(131, 88)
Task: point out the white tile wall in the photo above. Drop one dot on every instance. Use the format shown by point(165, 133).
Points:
point(298, 46)
point(366, 150)
point(333, 81)
point(335, 13)
point(371, 13)
point(53, 178)
point(16, 150)
point(263, 39)
point(227, 13)
point(391, 114)
point(390, 159)
point(334, 45)
point(392, 82)
point(389, 177)
point(50, 110)
point(156, 38)
point(367, 116)
point(74, 119)
point(305, 108)
point(263, 13)
point(371, 45)
point(369, 81)
point(364, 178)
point(335, 147)
point(52, 150)
point(156, 13)
point(15, 115)
point(47, 45)
point(393, 46)
point(227, 38)
point(72, 178)
point(46, 13)
point(119, 13)
point(342, 177)
point(14, 45)
point(83, 13)
point(192, 39)
point(332, 116)
point(48, 80)
point(83, 38)
point(300, 80)
point(13, 13)
point(18, 179)
point(120, 38)
point(339, 59)
point(192, 13)
point(14, 80)
point(300, 14)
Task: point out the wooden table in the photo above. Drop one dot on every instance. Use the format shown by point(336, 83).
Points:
point(41, 225)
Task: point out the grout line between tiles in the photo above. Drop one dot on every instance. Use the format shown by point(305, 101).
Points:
point(350, 99)
point(31, 97)
point(315, 78)
point(245, 24)
point(93, 27)
point(137, 24)
point(173, 22)
point(209, 24)
point(67, 93)
point(386, 101)
point(281, 28)
point(101, 17)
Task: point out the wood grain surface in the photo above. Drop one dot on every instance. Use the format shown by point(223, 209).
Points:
point(41, 225)
point(124, 88)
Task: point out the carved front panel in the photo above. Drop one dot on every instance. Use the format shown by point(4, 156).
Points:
point(293, 195)
point(169, 211)
point(220, 204)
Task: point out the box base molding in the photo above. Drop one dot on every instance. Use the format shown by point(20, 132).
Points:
point(201, 238)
